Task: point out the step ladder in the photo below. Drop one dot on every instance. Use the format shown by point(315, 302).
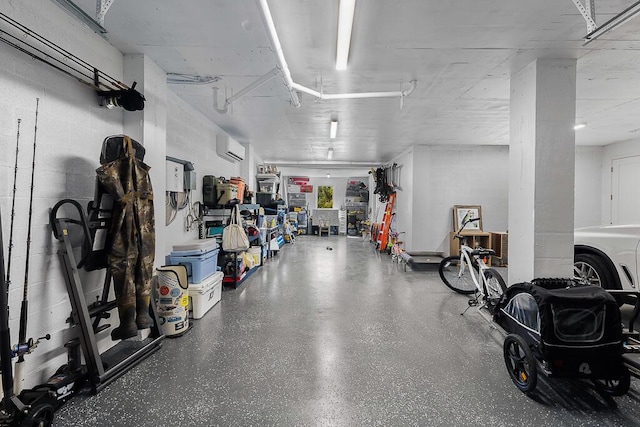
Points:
point(383, 234)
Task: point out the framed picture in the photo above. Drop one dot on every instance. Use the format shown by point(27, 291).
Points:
point(463, 212)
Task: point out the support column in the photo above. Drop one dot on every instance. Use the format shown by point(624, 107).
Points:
point(149, 127)
point(541, 170)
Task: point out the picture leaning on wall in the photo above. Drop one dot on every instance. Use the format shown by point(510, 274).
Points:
point(462, 213)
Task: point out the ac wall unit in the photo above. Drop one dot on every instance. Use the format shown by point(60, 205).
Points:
point(229, 149)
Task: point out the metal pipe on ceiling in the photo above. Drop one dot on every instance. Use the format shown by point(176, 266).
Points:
point(293, 87)
point(265, 13)
point(262, 80)
point(356, 95)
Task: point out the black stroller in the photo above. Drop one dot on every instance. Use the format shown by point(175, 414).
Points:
point(563, 329)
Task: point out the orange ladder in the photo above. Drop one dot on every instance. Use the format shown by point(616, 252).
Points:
point(383, 233)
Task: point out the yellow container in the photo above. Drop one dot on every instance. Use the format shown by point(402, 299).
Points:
point(226, 193)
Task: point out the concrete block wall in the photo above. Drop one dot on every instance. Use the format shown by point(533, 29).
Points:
point(71, 128)
point(192, 137)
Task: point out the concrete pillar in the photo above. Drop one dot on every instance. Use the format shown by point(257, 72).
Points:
point(541, 170)
point(149, 127)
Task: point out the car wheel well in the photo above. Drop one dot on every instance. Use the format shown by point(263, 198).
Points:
point(588, 250)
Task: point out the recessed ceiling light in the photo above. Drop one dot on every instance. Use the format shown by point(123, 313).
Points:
point(328, 175)
point(579, 126)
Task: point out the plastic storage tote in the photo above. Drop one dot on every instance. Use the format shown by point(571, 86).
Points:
point(199, 267)
point(203, 296)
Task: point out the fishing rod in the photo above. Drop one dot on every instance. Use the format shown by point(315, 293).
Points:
point(5, 336)
point(13, 207)
point(22, 334)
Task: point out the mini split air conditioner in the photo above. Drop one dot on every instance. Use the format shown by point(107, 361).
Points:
point(229, 149)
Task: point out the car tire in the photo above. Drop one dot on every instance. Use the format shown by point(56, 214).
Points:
point(592, 269)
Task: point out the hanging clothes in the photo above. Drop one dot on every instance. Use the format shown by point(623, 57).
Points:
point(132, 238)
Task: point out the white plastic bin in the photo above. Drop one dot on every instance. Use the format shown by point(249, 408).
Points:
point(203, 296)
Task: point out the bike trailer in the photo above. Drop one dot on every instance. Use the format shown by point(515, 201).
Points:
point(573, 330)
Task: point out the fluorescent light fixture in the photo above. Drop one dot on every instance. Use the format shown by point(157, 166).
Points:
point(579, 126)
point(345, 24)
point(334, 129)
point(330, 154)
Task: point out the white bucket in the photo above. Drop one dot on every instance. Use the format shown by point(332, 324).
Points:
point(256, 253)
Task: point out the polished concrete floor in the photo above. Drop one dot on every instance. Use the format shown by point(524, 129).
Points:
point(331, 333)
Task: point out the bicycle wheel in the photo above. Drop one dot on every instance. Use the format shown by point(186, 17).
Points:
point(494, 289)
point(520, 362)
point(617, 387)
point(455, 277)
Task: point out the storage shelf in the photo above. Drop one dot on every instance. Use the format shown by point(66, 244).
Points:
point(227, 211)
point(268, 177)
point(237, 281)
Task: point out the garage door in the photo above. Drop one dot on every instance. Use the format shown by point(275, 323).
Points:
point(625, 195)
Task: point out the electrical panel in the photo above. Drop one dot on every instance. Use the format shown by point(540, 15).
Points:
point(175, 177)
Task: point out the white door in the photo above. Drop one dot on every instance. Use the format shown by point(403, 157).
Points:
point(625, 190)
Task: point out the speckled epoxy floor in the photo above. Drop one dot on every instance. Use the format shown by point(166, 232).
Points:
point(339, 337)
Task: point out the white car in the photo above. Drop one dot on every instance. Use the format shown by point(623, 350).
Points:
point(608, 256)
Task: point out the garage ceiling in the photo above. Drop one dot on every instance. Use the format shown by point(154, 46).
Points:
point(461, 54)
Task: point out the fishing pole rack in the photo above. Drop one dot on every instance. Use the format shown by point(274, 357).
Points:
point(102, 368)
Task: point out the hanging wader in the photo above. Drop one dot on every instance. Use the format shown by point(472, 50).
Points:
point(132, 237)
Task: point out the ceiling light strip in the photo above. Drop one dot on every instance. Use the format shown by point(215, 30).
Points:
point(275, 44)
point(293, 87)
point(345, 25)
point(333, 131)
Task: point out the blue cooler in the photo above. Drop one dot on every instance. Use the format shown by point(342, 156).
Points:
point(200, 258)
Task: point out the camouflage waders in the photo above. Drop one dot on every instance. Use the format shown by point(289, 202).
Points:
point(132, 237)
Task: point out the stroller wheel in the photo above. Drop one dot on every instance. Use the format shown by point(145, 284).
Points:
point(520, 363)
point(617, 387)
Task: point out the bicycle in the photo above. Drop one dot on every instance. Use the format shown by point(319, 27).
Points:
point(396, 246)
point(469, 274)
